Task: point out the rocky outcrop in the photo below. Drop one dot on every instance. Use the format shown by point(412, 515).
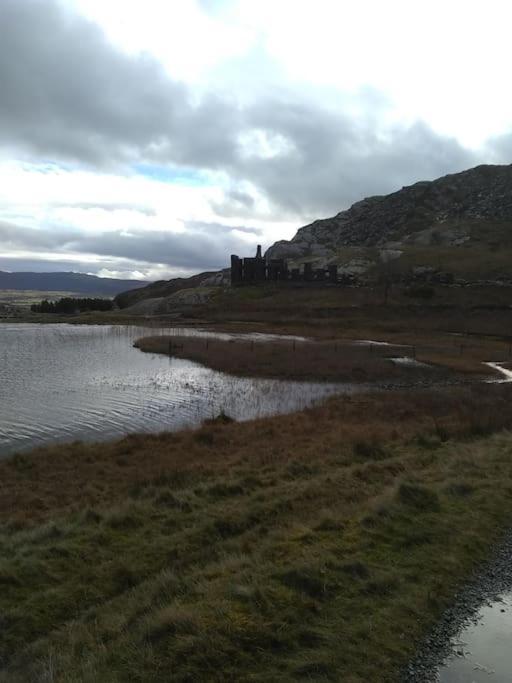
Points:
point(428, 213)
point(158, 292)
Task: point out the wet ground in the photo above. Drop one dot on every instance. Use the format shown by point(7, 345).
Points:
point(483, 650)
point(472, 642)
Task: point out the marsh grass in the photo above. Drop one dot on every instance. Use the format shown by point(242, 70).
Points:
point(278, 549)
point(440, 357)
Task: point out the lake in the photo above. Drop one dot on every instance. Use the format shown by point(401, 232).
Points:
point(76, 382)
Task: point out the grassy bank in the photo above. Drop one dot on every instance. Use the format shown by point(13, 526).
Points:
point(315, 546)
point(440, 357)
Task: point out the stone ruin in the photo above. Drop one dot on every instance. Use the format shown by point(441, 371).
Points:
point(258, 269)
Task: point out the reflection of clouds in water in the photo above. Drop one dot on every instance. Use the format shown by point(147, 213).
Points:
point(486, 647)
point(65, 382)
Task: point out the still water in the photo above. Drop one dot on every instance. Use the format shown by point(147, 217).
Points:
point(65, 382)
point(482, 651)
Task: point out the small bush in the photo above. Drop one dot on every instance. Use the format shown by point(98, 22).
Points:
point(297, 469)
point(459, 489)
point(384, 585)
point(170, 621)
point(225, 527)
point(222, 490)
point(122, 519)
point(123, 578)
point(90, 516)
point(205, 437)
point(369, 450)
point(428, 441)
point(309, 580)
point(357, 570)
point(418, 497)
point(329, 523)
point(221, 419)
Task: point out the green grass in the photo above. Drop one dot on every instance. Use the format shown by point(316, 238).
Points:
point(323, 560)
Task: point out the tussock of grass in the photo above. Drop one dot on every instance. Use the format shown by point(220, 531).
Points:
point(418, 497)
point(281, 550)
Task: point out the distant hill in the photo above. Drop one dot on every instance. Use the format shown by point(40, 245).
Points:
point(78, 283)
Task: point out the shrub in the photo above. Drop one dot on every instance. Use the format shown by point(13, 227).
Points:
point(460, 489)
point(418, 497)
point(170, 621)
point(369, 450)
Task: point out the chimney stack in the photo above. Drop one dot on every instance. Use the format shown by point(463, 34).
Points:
point(258, 251)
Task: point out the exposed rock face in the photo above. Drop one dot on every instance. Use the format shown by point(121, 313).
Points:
point(157, 292)
point(422, 213)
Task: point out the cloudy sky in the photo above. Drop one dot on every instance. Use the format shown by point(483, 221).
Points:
point(150, 138)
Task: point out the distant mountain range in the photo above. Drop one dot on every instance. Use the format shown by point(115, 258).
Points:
point(78, 283)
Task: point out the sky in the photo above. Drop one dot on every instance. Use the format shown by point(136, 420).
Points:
point(151, 139)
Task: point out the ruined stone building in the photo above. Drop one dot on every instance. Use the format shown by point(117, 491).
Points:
point(257, 269)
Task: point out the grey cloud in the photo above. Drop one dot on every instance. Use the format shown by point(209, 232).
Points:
point(212, 228)
point(335, 160)
point(201, 246)
point(68, 94)
point(15, 237)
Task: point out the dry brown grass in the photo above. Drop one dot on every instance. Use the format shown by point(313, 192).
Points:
point(337, 360)
point(48, 481)
point(250, 551)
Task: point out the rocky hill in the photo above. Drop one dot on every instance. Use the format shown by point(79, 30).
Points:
point(455, 228)
point(164, 295)
point(472, 209)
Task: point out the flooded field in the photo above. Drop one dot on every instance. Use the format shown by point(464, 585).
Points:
point(65, 382)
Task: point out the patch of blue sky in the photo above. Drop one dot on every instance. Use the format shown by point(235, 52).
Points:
point(174, 175)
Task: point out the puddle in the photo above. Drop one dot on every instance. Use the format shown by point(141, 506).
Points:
point(409, 362)
point(227, 336)
point(372, 342)
point(507, 377)
point(482, 651)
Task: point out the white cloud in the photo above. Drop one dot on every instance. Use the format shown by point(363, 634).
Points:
point(186, 40)
point(237, 118)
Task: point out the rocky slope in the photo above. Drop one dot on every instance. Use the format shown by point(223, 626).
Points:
point(164, 295)
point(459, 225)
point(468, 208)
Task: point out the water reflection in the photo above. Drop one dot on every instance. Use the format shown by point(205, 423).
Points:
point(482, 652)
point(65, 382)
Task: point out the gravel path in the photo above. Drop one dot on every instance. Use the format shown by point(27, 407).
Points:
point(485, 587)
